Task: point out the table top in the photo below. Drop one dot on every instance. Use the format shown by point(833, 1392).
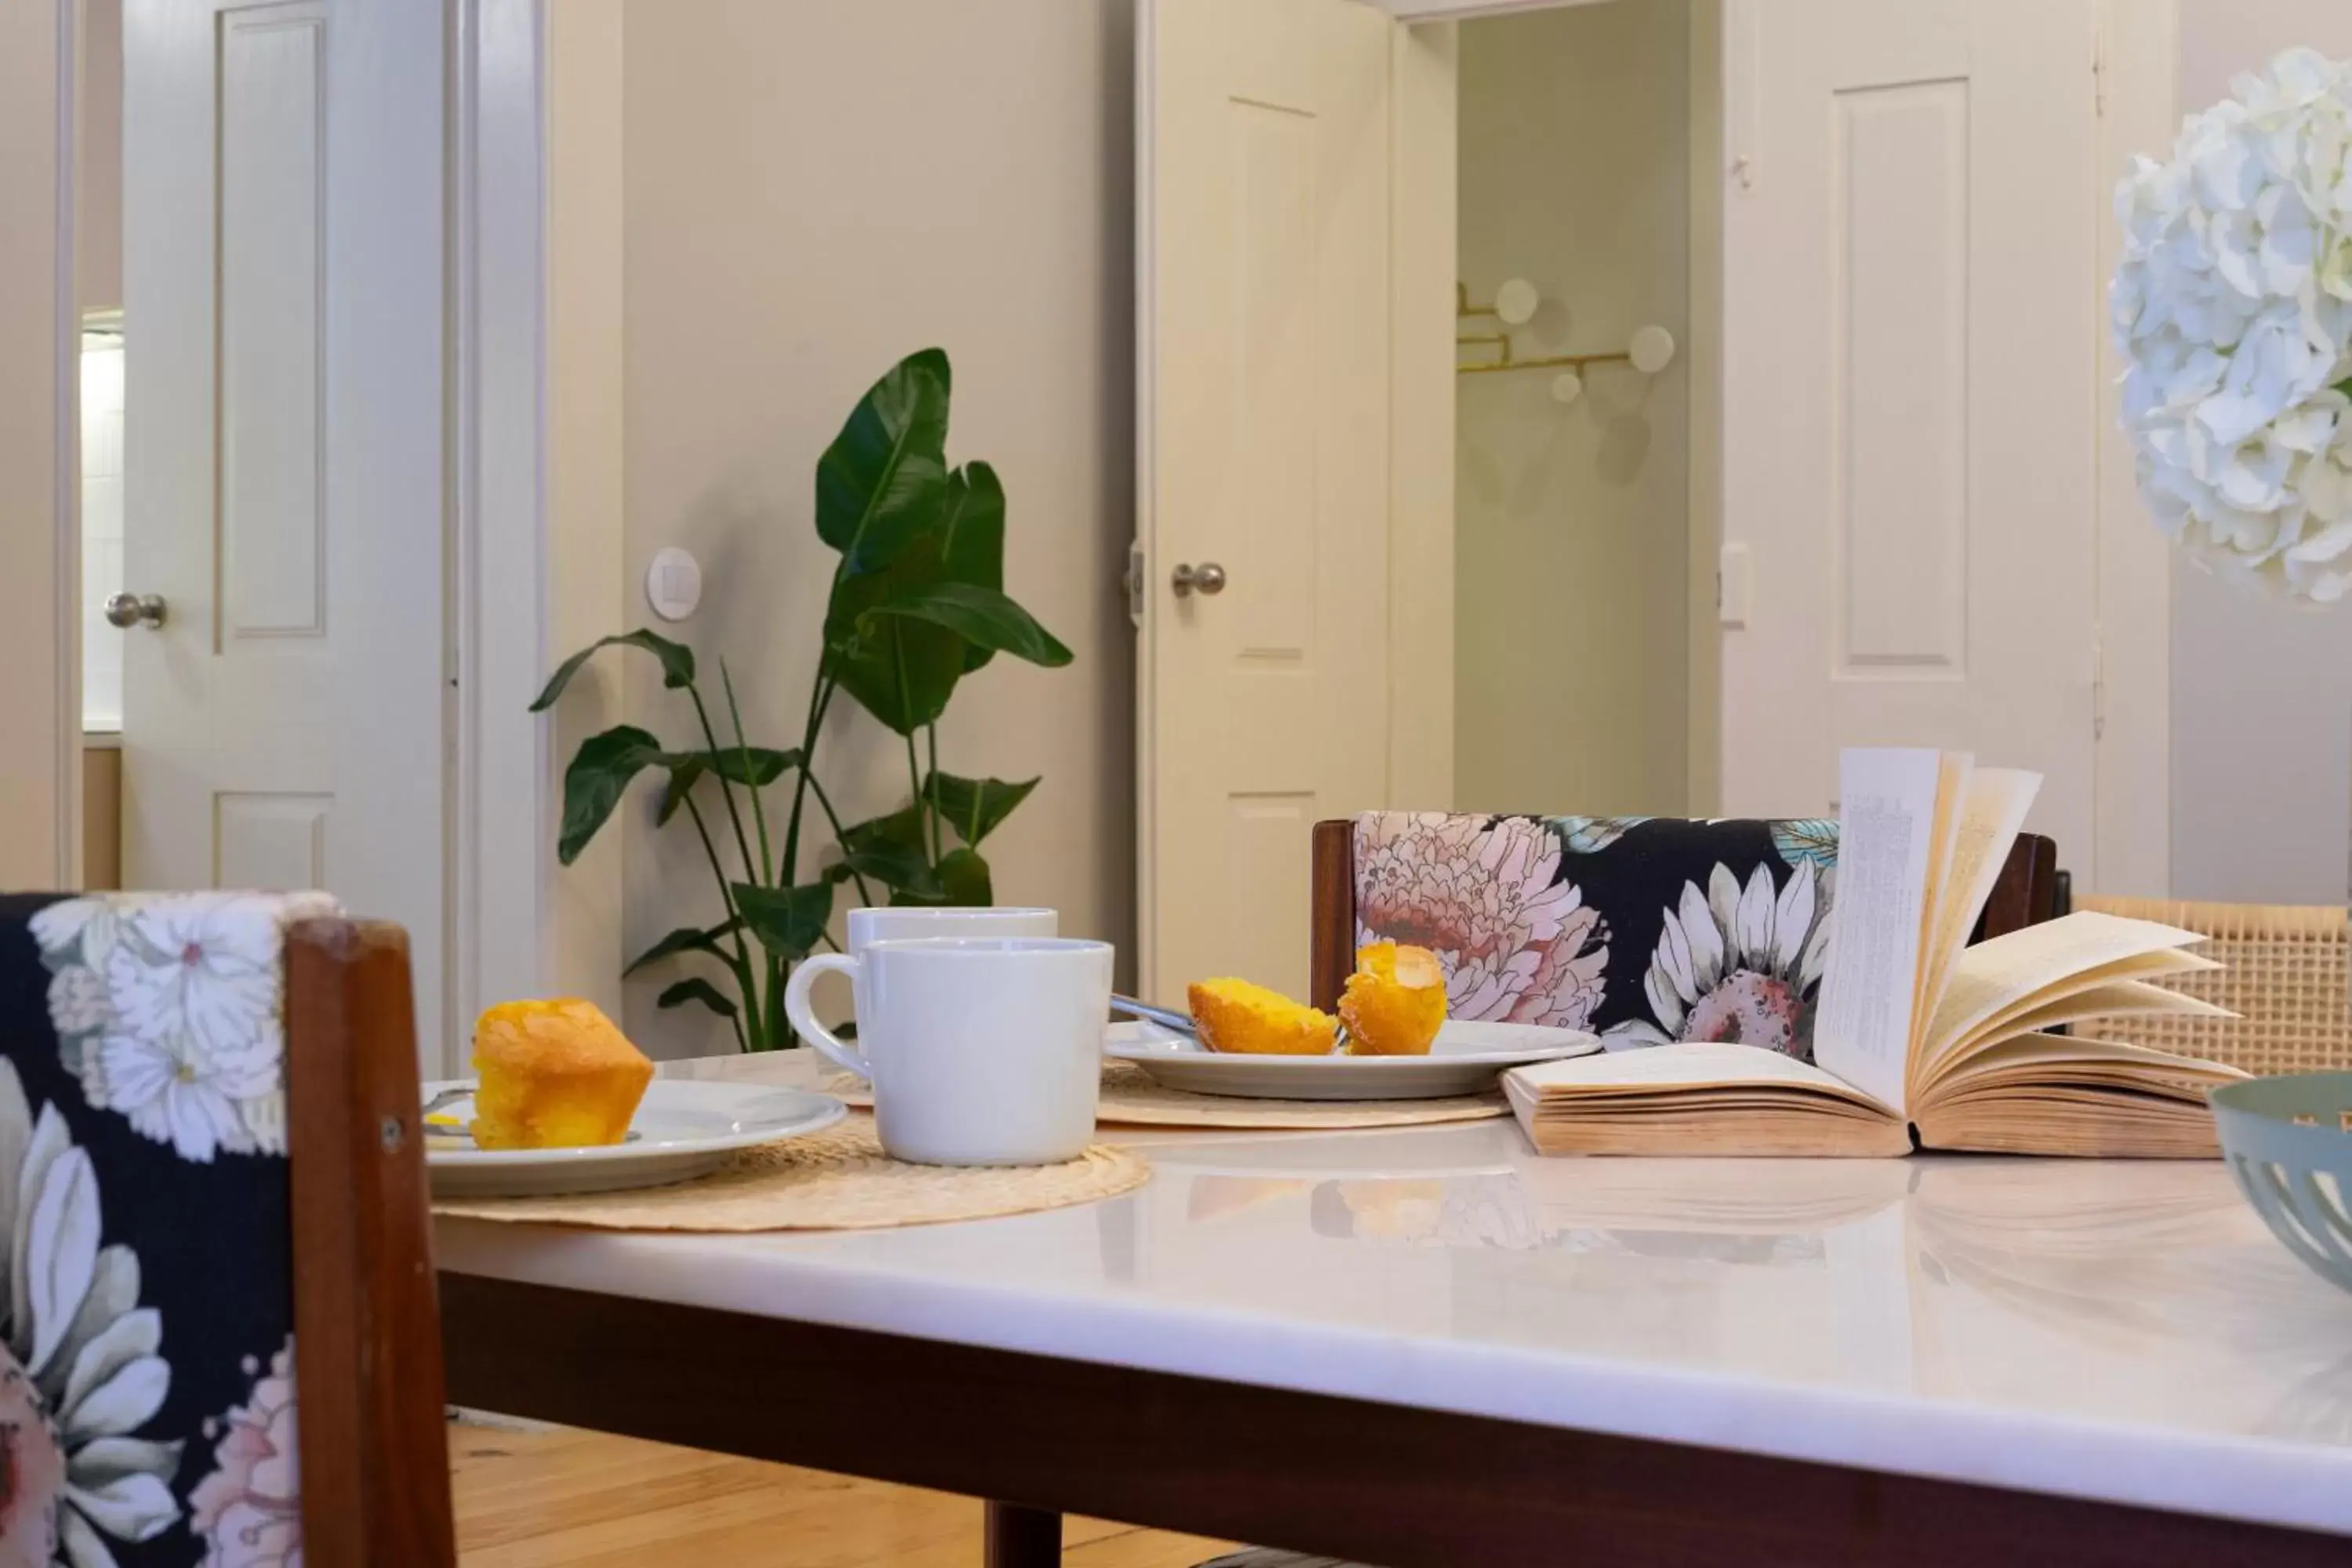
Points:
point(2118, 1331)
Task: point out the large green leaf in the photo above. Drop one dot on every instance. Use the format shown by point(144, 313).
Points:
point(687, 939)
point(676, 662)
point(787, 921)
point(982, 616)
point(891, 851)
point(898, 867)
point(697, 990)
point(971, 539)
point(974, 806)
point(758, 766)
point(963, 875)
point(902, 672)
point(593, 783)
point(882, 481)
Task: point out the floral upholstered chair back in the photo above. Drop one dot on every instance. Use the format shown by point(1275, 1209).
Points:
point(146, 1333)
point(1643, 930)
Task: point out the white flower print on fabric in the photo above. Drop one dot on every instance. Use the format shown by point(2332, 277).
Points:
point(170, 1010)
point(80, 1368)
point(1736, 963)
point(249, 1511)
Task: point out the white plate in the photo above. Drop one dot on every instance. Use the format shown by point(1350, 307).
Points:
point(1466, 1058)
point(683, 1129)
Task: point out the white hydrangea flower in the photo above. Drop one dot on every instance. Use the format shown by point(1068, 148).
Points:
point(2233, 304)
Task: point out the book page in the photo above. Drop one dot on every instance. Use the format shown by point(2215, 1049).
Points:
point(1668, 1069)
point(2011, 972)
point(1993, 808)
point(1886, 833)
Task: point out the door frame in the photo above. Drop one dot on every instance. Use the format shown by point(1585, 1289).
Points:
point(502, 791)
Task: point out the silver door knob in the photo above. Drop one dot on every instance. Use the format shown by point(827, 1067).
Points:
point(1208, 577)
point(128, 610)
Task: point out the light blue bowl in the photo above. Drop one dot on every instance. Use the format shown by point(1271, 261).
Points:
point(2285, 1142)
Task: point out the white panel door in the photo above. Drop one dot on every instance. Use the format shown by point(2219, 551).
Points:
point(1264, 171)
point(1911, 327)
point(282, 262)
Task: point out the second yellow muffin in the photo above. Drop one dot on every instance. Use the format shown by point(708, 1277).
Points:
point(555, 1074)
point(1239, 1016)
point(1395, 1002)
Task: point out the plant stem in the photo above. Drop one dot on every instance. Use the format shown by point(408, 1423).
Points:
point(926, 817)
point(825, 803)
point(752, 869)
point(931, 738)
point(743, 749)
point(820, 694)
point(742, 964)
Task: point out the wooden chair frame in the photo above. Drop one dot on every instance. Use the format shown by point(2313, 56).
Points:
point(367, 1331)
point(2026, 894)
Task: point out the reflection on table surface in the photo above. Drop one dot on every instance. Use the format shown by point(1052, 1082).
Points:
point(2139, 1293)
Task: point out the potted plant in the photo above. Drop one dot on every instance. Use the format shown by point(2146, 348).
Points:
point(917, 605)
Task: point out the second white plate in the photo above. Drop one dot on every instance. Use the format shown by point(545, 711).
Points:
point(1467, 1059)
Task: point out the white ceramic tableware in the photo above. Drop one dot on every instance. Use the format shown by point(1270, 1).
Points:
point(868, 926)
point(682, 1128)
point(982, 1050)
point(1468, 1057)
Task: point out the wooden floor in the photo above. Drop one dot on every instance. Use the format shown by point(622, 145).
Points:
point(582, 1499)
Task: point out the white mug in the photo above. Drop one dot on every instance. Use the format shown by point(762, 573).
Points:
point(982, 1050)
point(868, 926)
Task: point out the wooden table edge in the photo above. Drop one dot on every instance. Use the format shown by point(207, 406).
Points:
point(1400, 1487)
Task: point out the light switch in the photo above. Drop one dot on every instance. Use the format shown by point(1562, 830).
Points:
point(1731, 585)
point(673, 584)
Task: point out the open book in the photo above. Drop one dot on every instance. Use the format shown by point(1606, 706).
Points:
point(1919, 1038)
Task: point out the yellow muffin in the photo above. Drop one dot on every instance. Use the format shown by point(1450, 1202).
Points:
point(1235, 1016)
point(1395, 1002)
point(554, 1075)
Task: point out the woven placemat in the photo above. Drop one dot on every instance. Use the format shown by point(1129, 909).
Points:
point(1130, 1099)
point(835, 1180)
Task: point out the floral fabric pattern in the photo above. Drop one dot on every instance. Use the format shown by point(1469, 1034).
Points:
point(1643, 930)
point(79, 1372)
point(171, 1011)
point(1485, 894)
point(249, 1511)
point(146, 1293)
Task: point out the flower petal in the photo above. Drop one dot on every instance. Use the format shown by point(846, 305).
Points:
point(1792, 922)
point(136, 1507)
point(123, 1402)
point(121, 1343)
point(105, 1460)
point(1755, 920)
point(63, 1253)
point(1723, 899)
point(79, 1543)
point(1705, 940)
point(50, 1141)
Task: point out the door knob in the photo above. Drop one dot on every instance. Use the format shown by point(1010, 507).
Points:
point(1208, 577)
point(128, 610)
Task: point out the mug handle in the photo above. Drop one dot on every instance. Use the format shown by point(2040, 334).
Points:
point(835, 1050)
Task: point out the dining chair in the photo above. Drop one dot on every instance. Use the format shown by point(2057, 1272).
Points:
point(221, 1341)
point(2285, 970)
point(1591, 922)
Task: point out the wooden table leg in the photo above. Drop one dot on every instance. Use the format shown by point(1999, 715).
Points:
point(1022, 1537)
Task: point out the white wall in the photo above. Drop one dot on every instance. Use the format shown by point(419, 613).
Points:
point(1572, 548)
point(2261, 695)
point(812, 192)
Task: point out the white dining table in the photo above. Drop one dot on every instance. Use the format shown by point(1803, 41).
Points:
point(1432, 1346)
